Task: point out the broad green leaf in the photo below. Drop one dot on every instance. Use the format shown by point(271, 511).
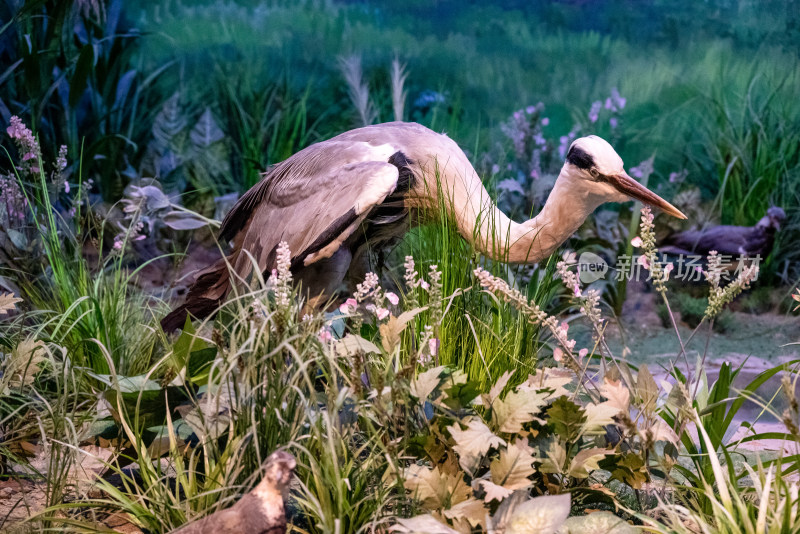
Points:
point(567, 418)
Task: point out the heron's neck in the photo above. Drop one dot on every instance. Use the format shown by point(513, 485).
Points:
point(495, 235)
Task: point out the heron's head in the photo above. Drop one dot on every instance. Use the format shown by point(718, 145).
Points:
point(600, 168)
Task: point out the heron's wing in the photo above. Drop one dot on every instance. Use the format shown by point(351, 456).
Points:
point(314, 201)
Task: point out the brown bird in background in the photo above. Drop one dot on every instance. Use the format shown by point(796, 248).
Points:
point(334, 200)
point(259, 512)
point(734, 241)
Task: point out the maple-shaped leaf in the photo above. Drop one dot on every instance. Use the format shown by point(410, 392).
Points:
point(540, 515)
point(434, 488)
point(422, 524)
point(661, 431)
point(567, 418)
point(8, 302)
point(512, 468)
point(499, 386)
point(550, 378)
point(586, 461)
point(390, 330)
point(555, 458)
point(628, 468)
point(519, 407)
point(473, 443)
point(425, 383)
point(472, 510)
point(493, 492)
point(24, 363)
point(616, 394)
point(598, 416)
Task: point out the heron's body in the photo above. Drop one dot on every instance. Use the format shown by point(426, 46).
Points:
point(332, 200)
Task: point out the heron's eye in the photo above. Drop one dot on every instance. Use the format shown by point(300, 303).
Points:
point(595, 173)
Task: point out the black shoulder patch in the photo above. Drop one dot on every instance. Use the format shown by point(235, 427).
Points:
point(405, 180)
point(579, 158)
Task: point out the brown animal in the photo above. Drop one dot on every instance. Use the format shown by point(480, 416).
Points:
point(333, 200)
point(735, 241)
point(259, 512)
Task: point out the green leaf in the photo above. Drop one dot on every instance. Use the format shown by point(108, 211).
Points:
point(186, 345)
point(567, 418)
point(80, 77)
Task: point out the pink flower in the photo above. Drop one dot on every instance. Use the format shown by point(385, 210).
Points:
point(530, 109)
point(545, 121)
point(576, 290)
point(433, 346)
point(582, 353)
point(424, 285)
point(349, 306)
point(382, 313)
point(636, 241)
point(394, 299)
point(29, 155)
point(564, 327)
point(642, 260)
point(613, 122)
point(118, 245)
point(668, 269)
point(558, 354)
point(66, 187)
point(325, 335)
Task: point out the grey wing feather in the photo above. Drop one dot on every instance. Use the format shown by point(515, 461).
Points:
point(314, 204)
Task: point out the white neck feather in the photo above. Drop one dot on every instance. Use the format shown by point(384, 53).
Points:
point(498, 237)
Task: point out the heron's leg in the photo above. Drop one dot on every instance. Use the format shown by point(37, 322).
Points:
point(321, 280)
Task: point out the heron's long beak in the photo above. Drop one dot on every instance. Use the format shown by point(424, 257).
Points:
point(628, 186)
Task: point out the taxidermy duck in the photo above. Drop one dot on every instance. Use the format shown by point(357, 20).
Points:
point(259, 512)
point(334, 200)
point(734, 241)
